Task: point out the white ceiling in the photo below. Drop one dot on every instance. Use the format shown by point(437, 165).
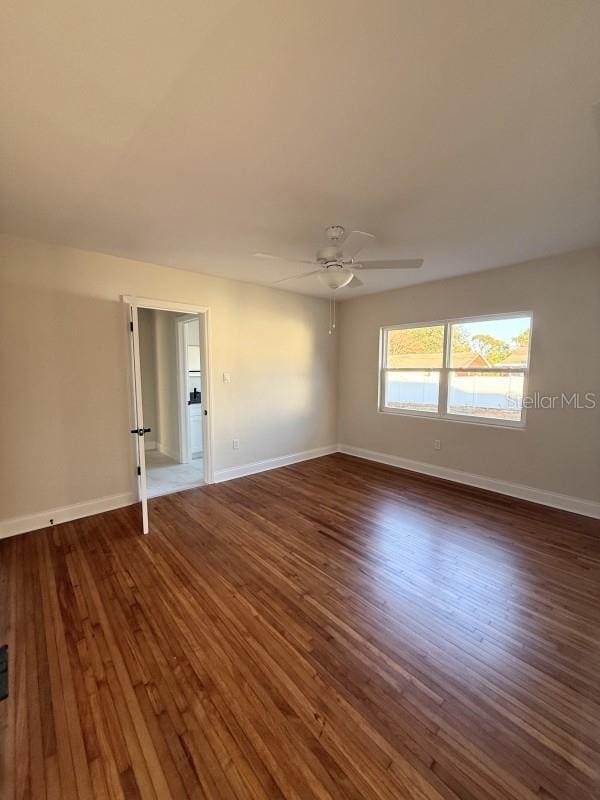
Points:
point(193, 133)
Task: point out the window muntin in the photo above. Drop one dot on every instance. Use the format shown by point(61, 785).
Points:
point(473, 370)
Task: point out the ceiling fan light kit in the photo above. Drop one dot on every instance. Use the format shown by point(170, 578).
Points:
point(334, 276)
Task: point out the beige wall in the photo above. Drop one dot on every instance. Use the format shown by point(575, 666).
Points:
point(559, 450)
point(64, 362)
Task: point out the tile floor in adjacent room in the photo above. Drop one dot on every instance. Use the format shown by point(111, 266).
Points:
point(165, 475)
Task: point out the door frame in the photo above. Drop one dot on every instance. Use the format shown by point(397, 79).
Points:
point(204, 319)
point(184, 423)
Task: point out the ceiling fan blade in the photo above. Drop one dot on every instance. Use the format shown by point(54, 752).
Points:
point(300, 275)
point(401, 263)
point(355, 283)
point(269, 257)
point(355, 241)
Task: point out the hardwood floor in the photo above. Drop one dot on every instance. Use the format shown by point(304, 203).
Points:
point(333, 629)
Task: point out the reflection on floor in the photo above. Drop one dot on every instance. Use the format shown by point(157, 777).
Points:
point(165, 475)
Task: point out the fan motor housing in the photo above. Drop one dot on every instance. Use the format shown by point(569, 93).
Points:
point(331, 253)
point(335, 232)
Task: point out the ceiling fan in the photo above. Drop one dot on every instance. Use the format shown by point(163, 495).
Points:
point(336, 261)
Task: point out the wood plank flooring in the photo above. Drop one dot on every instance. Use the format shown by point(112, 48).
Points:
point(333, 629)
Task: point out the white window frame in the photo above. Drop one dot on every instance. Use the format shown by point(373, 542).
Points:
point(445, 370)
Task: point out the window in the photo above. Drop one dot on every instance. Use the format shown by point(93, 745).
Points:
point(472, 369)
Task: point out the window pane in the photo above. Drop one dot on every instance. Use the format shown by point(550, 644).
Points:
point(491, 395)
point(491, 343)
point(415, 347)
point(413, 390)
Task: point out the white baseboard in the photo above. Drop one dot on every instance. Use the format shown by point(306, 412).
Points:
point(33, 522)
point(41, 519)
point(577, 505)
point(272, 463)
point(564, 502)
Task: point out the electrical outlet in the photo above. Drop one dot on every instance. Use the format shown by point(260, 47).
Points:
point(236, 444)
point(437, 444)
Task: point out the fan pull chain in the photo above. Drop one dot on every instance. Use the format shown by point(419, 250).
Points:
point(331, 313)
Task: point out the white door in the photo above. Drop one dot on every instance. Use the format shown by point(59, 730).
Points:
point(138, 430)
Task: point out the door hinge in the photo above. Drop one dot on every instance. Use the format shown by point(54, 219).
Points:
point(139, 470)
point(131, 326)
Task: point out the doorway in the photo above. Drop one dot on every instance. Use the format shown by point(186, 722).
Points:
point(171, 374)
point(171, 393)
